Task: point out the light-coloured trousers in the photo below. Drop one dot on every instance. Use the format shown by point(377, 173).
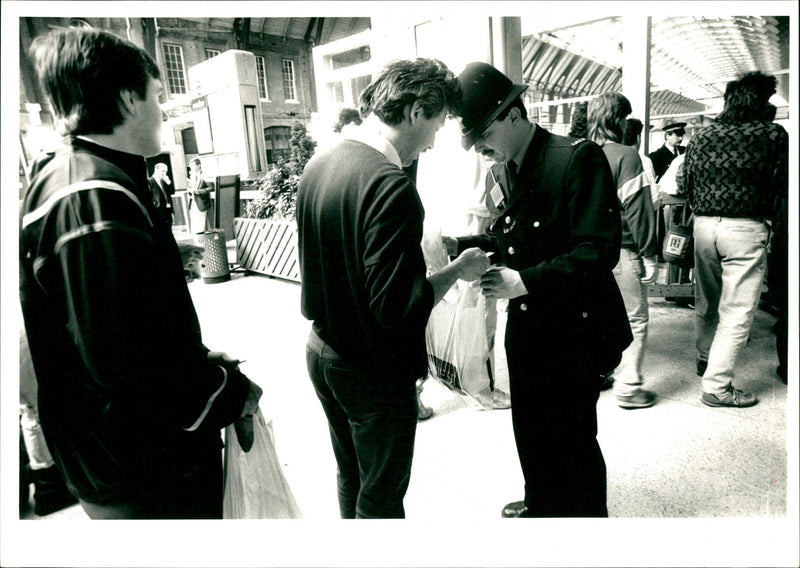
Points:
point(38, 453)
point(730, 260)
point(628, 374)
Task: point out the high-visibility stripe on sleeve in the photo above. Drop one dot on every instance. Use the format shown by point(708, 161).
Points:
point(84, 230)
point(68, 190)
point(209, 403)
point(631, 187)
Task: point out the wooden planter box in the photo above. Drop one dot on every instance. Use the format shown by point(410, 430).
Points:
point(267, 247)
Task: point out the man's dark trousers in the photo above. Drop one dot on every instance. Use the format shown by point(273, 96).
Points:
point(372, 419)
point(554, 415)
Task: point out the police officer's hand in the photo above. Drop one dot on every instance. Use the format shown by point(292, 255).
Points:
point(471, 264)
point(501, 282)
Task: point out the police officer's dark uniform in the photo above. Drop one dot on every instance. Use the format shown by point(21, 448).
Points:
point(560, 229)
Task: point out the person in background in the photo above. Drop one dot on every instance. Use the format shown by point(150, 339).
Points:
point(50, 492)
point(162, 191)
point(735, 172)
point(364, 284)
point(777, 298)
point(558, 238)
point(578, 128)
point(638, 260)
point(199, 197)
point(662, 158)
point(347, 117)
point(674, 209)
point(632, 136)
point(130, 399)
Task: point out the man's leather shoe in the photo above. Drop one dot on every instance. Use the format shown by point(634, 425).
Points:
point(514, 510)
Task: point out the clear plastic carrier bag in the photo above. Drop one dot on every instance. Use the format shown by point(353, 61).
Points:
point(255, 486)
point(456, 336)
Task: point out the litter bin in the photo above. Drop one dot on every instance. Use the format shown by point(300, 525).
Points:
point(214, 266)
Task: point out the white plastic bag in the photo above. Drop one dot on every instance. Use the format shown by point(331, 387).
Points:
point(458, 345)
point(255, 487)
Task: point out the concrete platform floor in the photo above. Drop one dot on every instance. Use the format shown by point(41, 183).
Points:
point(676, 460)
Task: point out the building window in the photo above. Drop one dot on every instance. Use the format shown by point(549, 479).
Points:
point(261, 72)
point(288, 80)
point(212, 53)
point(253, 155)
point(173, 61)
point(276, 142)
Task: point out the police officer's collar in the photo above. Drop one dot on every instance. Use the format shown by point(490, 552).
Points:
point(519, 157)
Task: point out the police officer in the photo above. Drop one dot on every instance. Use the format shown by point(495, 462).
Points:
point(671, 149)
point(558, 239)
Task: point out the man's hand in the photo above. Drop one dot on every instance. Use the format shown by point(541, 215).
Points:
point(245, 432)
point(471, 264)
point(190, 254)
point(251, 402)
point(500, 282)
point(451, 245)
point(650, 269)
point(224, 360)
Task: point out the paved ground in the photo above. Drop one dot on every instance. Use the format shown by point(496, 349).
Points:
point(676, 460)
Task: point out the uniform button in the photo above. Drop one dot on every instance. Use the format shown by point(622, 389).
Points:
point(508, 220)
point(523, 307)
point(536, 223)
point(511, 250)
point(584, 315)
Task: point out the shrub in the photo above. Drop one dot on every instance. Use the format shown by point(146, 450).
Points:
point(278, 188)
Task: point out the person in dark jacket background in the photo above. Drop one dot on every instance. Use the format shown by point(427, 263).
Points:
point(162, 191)
point(130, 399)
point(671, 149)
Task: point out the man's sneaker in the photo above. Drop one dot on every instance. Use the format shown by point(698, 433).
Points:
point(640, 399)
point(733, 398)
point(702, 365)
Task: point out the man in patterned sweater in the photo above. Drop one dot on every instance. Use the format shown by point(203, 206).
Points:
point(733, 172)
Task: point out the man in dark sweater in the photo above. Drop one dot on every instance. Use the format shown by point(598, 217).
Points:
point(735, 171)
point(130, 400)
point(364, 282)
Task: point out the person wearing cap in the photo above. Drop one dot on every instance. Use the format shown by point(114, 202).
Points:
point(365, 283)
point(662, 158)
point(556, 240)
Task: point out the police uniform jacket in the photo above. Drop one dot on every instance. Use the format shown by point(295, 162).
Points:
point(560, 229)
point(662, 158)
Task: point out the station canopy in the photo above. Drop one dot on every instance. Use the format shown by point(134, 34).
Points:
point(691, 59)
